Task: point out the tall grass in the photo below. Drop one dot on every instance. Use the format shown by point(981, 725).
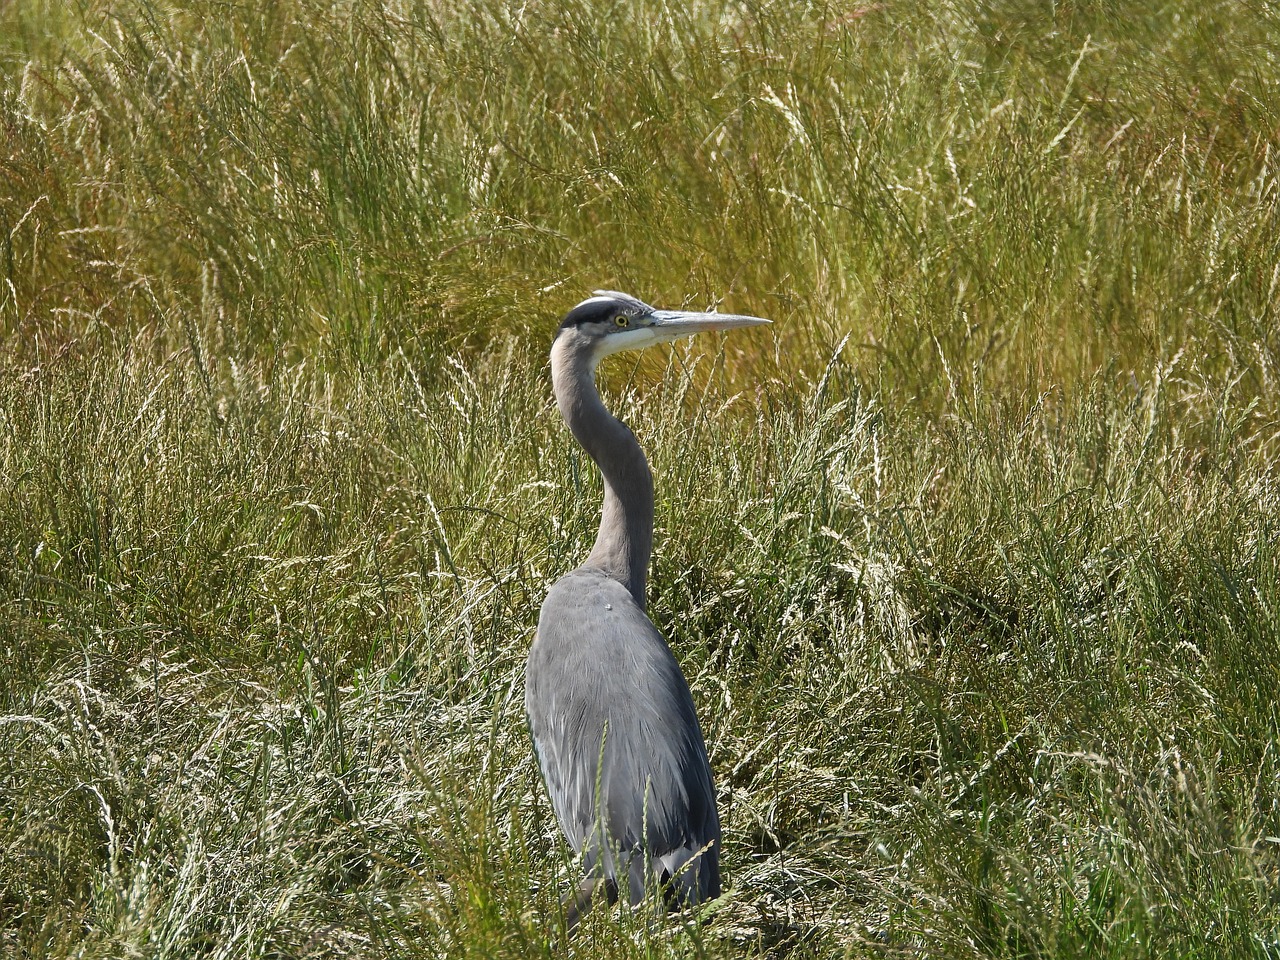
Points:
point(971, 559)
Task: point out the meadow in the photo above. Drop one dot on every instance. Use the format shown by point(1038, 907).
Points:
point(971, 558)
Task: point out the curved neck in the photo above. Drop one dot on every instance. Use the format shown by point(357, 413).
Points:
point(626, 523)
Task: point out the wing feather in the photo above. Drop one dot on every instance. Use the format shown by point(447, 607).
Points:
point(614, 727)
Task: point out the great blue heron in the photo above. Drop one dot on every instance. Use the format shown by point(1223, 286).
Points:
point(610, 712)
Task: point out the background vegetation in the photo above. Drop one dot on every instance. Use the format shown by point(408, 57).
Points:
point(971, 559)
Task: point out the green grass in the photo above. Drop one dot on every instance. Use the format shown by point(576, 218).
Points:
point(971, 559)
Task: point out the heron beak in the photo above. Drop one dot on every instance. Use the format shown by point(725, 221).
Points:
point(667, 325)
point(673, 324)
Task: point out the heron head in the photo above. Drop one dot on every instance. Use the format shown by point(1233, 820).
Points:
point(610, 322)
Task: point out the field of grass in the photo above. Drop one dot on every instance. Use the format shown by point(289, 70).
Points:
point(972, 559)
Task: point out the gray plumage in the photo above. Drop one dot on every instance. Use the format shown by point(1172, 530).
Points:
point(611, 715)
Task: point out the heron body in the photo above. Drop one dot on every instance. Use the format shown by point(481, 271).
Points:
point(611, 715)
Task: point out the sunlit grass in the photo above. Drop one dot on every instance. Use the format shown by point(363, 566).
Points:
point(970, 558)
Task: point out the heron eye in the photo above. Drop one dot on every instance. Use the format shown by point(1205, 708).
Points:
point(622, 320)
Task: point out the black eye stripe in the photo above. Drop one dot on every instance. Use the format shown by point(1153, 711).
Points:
point(592, 311)
point(606, 310)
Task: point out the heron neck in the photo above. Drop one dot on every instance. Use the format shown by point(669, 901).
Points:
point(625, 539)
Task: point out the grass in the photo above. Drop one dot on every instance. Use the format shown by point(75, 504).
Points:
point(971, 559)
